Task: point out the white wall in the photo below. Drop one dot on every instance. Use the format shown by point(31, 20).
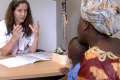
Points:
point(43, 11)
point(3, 7)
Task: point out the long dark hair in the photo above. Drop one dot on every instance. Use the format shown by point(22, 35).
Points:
point(10, 21)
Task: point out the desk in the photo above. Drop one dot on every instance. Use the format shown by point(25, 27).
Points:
point(39, 69)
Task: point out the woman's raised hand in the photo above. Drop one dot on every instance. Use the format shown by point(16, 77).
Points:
point(17, 31)
point(35, 28)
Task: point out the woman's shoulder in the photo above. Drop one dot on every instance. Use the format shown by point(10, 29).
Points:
point(2, 21)
point(2, 26)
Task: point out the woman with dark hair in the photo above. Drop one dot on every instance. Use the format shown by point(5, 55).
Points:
point(18, 33)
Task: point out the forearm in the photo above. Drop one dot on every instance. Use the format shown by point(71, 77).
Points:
point(7, 49)
point(35, 43)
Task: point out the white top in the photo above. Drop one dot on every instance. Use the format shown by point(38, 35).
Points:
point(21, 46)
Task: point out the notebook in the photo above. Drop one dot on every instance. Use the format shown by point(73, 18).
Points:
point(24, 59)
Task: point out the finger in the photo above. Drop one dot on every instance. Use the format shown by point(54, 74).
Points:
point(36, 29)
point(38, 24)
point(31, 27)
point(21, 34)
point(14, 27)
point(19, 27)
point(20, 30)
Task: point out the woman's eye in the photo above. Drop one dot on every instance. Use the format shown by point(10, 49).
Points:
point(19, 10)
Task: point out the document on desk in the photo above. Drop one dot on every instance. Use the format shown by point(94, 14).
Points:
point(25, 59)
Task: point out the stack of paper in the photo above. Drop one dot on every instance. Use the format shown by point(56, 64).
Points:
point(25, 59)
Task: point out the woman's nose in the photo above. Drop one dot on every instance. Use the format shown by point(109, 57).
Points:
point(23, 13)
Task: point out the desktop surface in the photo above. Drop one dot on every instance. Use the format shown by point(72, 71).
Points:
point(38, 69)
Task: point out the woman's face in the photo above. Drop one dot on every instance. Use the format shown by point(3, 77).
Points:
point(20, 13)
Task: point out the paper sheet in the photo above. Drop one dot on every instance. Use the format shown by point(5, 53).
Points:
point(24, 59)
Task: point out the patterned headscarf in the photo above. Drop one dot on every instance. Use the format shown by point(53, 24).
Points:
point(103, 14)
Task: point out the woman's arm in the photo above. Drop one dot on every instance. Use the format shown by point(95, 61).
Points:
point(34, 44)
point(7, 49)
point(35, 30)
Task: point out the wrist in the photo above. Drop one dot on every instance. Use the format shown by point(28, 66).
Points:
point(36, 34)
point(13, 39)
